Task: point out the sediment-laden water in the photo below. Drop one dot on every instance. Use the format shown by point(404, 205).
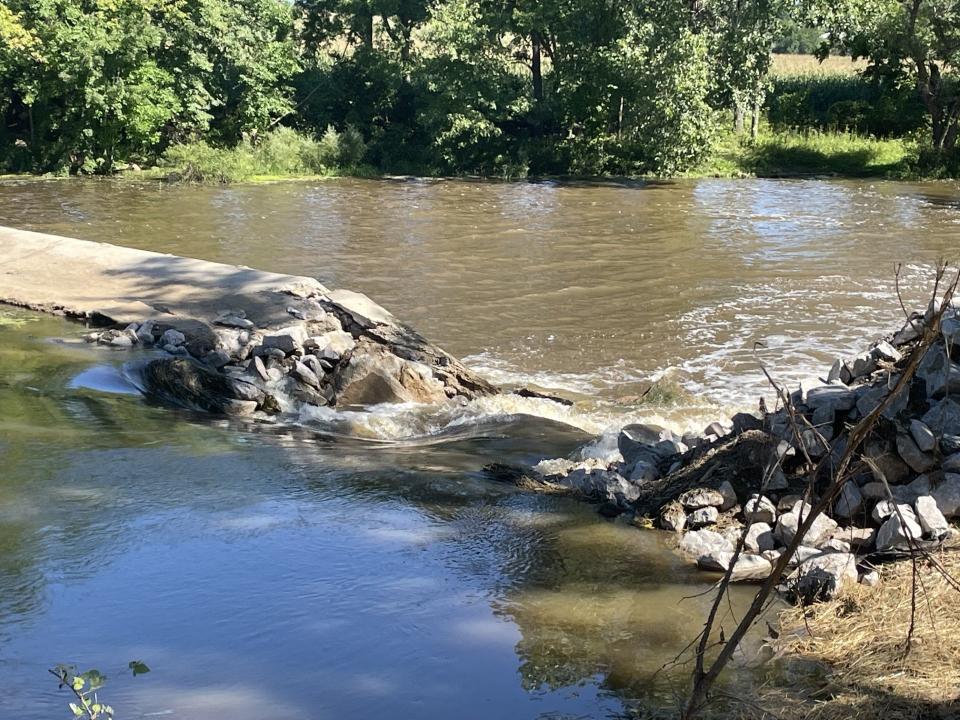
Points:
point(360, 564)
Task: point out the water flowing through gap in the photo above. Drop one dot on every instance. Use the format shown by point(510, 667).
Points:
point(361, 564)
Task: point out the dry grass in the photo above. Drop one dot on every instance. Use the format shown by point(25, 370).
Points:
point(857, 648)
point(790, 64)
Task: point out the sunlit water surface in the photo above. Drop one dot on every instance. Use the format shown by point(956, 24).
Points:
point(363, 566)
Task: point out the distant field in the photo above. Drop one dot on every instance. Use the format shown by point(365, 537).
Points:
point(788, 64)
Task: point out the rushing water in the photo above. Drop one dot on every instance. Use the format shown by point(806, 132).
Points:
point(295, 573)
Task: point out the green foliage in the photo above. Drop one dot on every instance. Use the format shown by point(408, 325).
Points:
point(844, 102)
point(282, 152)
point(85, 687)
point(105, 81)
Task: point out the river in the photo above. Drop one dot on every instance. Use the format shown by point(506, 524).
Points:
point(362, 566)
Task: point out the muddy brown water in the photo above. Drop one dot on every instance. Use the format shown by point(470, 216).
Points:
point(360, 564)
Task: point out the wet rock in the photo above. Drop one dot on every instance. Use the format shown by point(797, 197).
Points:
point(187, 383)
point(746, 568)
point(849, 502)
point(374, 376)
point(729, 495)
point(760, 509)
point(701, 498)
point(305, 375)
point(637, 441)
point(911, 330)
point(746, 421)
point(836, 371)
point(918, 461)
point(145, 333)
point(217, 359)
point(899, 530)
point(289, 339)
point(923, 436)
point(825, 576)
point(947, 495)
point(673, 517)
point(698, 543)
point(703, 516)
point(172, 337)
point(256, 364)
point(759, 538)
point(931, 520)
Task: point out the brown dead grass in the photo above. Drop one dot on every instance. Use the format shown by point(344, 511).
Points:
point(794, 64)
point(856, 646)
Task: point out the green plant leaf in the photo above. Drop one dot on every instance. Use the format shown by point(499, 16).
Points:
point(138, 667)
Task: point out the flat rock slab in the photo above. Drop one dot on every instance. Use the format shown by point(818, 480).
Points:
point(123, 285)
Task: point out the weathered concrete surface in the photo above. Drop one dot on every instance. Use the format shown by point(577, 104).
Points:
point(280, 340)
point(124, 285)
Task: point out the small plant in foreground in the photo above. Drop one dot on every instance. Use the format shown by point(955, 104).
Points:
point(84, 687)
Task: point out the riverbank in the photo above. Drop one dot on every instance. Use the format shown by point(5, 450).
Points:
point(286, 155)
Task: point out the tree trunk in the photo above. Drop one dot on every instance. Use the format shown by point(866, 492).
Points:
point(738, 118)
point(755, 122)
point(535, 60)
point(367, 30)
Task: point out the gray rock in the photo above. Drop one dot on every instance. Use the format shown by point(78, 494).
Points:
point(788, 525)
point(217, 359)
point(703, 516)
point(747, 567)
point(638, 441)
point(717, 430)
point(702, 542)
point(701, 498)
point(331, 345)
point(836, 370)
point(172, 337)
point(269, 352)
point(943, 417)
point(759, 538)
point(863, 364)
point(947, 495)
point(234, 321)
point(885, 351)
point(899, 530)
point(257, 366)
point(114, 339)
point(870, 397)
point(950, 444)
point(951, 464)
point(772, 556)
point(871, 578)
point(825, 576)
point(289, 339)
point(673, 517)
point(305, 375)
point(145, 333)
point(911, 330)
point(884, 463)
point(941, 374)
point(833, 397)
point(175, 349)
point(849, 502)
point(855, 536)
point(882, 510)
point(932, 521)
point(239, 408)
point(918, 461)
point(729, 495)
point(643, 471)
point(874, 491)
point(923, 436)
point(760, 509)
point(835, 545)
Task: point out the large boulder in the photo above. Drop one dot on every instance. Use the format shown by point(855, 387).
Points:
point(374, 375)
point(825, 576)
point(788, 525)
point(900, 531)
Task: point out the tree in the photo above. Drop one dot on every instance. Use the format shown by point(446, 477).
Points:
point(915, 41)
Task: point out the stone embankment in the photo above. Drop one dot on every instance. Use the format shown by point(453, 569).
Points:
point(753, 473)
point(231, 339)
